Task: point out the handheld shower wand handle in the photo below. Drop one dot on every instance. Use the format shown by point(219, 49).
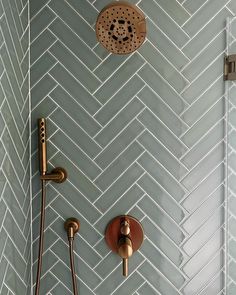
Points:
point(42, 146)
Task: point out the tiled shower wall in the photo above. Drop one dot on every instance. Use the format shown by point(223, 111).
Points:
point(141, 134)
point(15, 205)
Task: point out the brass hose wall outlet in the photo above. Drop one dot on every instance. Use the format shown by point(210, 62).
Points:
point(71, 226)
point(58, 174)
point(124, 235)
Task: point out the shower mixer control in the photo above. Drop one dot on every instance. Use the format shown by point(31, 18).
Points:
point(124, 235)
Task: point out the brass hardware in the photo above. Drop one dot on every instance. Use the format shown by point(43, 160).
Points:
point(121, 27)
point(58, 174)
point(230, 67)
point(124, 235)
point(71, 226)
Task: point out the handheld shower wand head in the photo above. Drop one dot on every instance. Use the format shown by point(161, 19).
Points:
point(42, 146)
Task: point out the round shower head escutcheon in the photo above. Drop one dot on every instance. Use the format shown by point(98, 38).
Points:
point(121, 27)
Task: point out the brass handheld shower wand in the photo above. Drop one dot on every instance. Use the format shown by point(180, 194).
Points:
point(58, 175)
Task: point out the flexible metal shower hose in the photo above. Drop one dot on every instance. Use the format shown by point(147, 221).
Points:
point(41, 237)
point(72, 266)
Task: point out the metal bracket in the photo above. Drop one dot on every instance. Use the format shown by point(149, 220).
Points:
point(230, 67)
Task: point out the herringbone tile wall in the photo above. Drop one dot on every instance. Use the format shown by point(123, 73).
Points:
point(231, 166)
point(15, 205)
point(141, 134)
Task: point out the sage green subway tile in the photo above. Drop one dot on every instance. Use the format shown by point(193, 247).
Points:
point(3, 207)
point(217, 285)
point(204, 189)
point(114, 192)
point(232, 249)
point(101, 51)
point(14, 101)
point(65, 210)
point(164, 22)
point(206, 165)
point(119, 122)
point(232, 203)
point(168, 139)
point(171, 52)
point(113, 171)
point(232, 92)
point(162, 111)
point(205, 101)
point(212, 73)
point(200, 215)
point(232, 227)
point(15, 80)
point(163, 89)
point(76, 112)
point(11, 175)
point(168, 182)
point(14, 257)
point(161, 197)
point(207, 142)
point(119, 144)
point(24, 16)
point(192, 6)
point(3, 270)
point(74, 66)
point(12, 8)
point(68, 126)
point(163, 243)
point(41, 44)
point(232, 6)
point(131, 197)
point(202, 277)
point(118, 101)
point(35, 6)
point(75, 89)
point(99, 4)
point(51, 216)
point(41, 67)
point(86, 274)
point(74, 21)
point(102, 248)
point(200, 18)
point(210, 31)
point(202, 235)
point(12, 152)
point(14, 208)
point(204, 124)
point(157, 280)
point(77, 179)
point(11, 28)
point(66, 146)
point(195, 264)
point(168, 270)
point(232, 139)
point(47, 283)
point(161, 154)
point(60, 289)
point(163, 67)
point(103, 269)
point(74, 43)
point(14, 282)
point(25, 64)
point(40, 21)
point(14, 132)
point(198, 65)
point(109, 66)
point(161, 219)
point(146, 289)
point(42, 89)
point(115, 278)
point(86, 10)
point(232, 116)
point(119, 79)
point(133, 282)
point(174, 10)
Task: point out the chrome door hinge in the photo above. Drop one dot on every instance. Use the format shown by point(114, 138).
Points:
point(230, 67)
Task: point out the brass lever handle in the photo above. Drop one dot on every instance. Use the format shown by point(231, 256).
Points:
point(124, 235)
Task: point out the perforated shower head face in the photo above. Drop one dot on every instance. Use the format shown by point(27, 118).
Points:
point(121, 27)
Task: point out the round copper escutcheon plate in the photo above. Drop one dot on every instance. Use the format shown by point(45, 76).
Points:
point(121, 27)
point(113, 232)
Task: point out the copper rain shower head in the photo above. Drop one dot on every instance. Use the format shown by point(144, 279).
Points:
point(121, 27)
